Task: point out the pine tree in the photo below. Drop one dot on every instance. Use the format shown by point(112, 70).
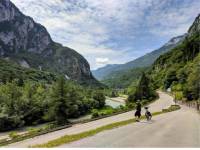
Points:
point(60, 101)
point(143, 90)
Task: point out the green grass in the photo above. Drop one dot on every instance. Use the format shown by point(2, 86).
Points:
point(71, 138)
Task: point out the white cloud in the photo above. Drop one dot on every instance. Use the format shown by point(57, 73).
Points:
point(166, 20)
point(102, 61)
point(105, 28)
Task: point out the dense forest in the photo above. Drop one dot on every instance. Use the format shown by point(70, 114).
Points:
point(122, 80)
point(11, 70)
point(28, 102)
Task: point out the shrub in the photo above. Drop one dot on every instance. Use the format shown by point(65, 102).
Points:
point(131, 105)
point(33, 130)
point(13, 135)
point(95, 114)
point(100, 97)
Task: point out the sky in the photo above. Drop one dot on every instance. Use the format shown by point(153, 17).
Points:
point(112, 31)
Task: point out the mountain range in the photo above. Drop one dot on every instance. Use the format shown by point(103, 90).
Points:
point(144, 61)
point(29, 45)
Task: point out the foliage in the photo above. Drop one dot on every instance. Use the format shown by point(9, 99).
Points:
point(11, 71)
point(123, 79)
point(13, 135)
point(172, 108)
point(179, 69)
point(32, 131)
point(100, 98)
point(142, 91)
point(107, 110)
point(32, 102)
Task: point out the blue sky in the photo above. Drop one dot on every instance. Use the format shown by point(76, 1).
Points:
point(112, 31)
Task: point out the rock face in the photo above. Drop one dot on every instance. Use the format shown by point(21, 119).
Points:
point(23, 40)
point(195, 28)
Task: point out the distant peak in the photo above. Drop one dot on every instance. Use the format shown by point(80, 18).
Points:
point(175, 40)
point(195, 26)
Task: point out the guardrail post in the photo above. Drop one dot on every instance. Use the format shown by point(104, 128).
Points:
point(197, 105)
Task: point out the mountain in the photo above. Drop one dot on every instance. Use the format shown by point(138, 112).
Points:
point(144, 61)
point(103, 72)
point(179, 69)
point(195, 28)
point(123, 79)
point(10, 70)
point(28, 43)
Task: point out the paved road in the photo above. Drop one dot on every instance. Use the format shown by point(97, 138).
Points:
point(163, 102)
point(176, 129)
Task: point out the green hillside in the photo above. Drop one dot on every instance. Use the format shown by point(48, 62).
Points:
point(11, 71)
point(180, 69)
point(121, 80)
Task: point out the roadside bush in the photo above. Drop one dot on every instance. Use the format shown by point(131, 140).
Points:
point(33, 130)
point(172, 108)
point(13, 135)
point(131, 105)
point(95, 114)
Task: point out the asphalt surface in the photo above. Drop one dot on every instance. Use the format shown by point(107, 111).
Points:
point(164, 101)
point(175, 129)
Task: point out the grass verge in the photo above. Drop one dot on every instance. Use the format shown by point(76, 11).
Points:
point(71, 138)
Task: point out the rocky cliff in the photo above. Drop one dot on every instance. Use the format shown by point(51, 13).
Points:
point(29, 44)
point(195, 28)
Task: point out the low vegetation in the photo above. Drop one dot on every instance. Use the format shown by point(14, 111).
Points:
point(108, 111)
point(13, 135)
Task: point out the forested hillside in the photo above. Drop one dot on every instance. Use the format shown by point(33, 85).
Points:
point(179, 69)
point(11, 71)
point(122, 80)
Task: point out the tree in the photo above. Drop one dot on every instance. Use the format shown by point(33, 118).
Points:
point(20, 82)
point(67, 100)
point(33, 109)
point(193, 81)
point(143, 90)
point(170, 78)
point(60, 101)
point(100, 98)
point(11, 115)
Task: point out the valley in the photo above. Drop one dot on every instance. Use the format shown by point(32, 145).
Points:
point(50, 95)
